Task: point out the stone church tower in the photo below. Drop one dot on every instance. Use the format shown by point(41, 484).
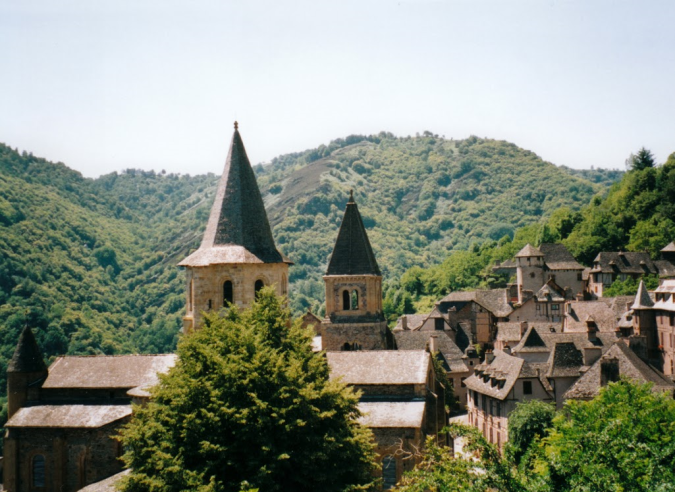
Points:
point(237, 256)
point(354, 318)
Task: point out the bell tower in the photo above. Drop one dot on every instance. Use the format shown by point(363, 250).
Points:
point(354, 318)
point(237, 256)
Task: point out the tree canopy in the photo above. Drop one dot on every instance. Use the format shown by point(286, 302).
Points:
point(249, 406)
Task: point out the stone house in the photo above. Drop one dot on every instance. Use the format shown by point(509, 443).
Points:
point(497, 386)
point(611, 266)
point(402, 402)
point(61, 419)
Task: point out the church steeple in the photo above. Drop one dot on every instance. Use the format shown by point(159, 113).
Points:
point(26, 367)
point(237, 256)
point(352, 254)
point(238, 230)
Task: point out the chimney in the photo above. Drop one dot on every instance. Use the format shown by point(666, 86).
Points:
point(489, 356)
point(523, 328)
point(404, 322)
point(609, 371)
point(580, 296)
point(432, 344)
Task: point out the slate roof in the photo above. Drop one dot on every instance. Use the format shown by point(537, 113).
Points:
point(624, 262)
point(237, 230)
point(504, 367)
point(27, 355)
point(566, 360)
point(508, 331)
point(419, 340)
point(380, 367)
point(495, 300)
point(665, 268)
point(580, 311)
point(667, 287)
point(630, 365)
point(619, 304)
point(69, 416)
point(107, 371)
point(557, 257)
point(414, 321)
point(407, 414)
point(107, 485)
point(539, 338)
point(642, 299)
point(550, 292)
point(669, 249)
point(352, 254)
point(529, 251)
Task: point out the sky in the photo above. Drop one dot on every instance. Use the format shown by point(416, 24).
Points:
point(157, 84)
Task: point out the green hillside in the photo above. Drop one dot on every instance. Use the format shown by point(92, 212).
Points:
point(91, 264)
point(421, 198)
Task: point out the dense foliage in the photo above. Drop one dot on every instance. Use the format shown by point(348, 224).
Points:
point(249, 405)
point(527, 423)
point(622, 440)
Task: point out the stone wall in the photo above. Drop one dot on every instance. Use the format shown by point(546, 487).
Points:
point(368, 336)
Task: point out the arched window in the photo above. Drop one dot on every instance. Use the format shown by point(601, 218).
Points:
point(345, 300)
point(259, 284)
point(346, 347)
point(38, 471)
point(228, 293)
point(284, 286)
point(355, 300)
point(210, 305)
point(388, 472)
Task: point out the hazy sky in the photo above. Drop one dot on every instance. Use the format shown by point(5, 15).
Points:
point(156, 84)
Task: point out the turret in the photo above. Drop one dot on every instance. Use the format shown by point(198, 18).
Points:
point(25, 372)
point(354, 317)
point(529, 271)
point(237, 256)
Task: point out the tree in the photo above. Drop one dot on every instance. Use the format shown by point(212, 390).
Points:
point(642, 160)
point(620, 440)
point(527, 424)
point(248, 405)
point(479, 468)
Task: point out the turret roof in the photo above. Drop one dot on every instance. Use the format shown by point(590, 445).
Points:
point(27, 355)
point(238, 230)
point(642, 299)
point(352, 254)
point(669, 249)
point(528, 251)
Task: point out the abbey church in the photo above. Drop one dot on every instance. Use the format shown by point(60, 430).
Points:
point(61, 418)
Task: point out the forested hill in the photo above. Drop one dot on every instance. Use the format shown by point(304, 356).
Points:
point(91, 264)
point(420, 197)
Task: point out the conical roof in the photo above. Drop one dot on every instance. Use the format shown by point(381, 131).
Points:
point(642, 299)
point(529, 251)
point(238, 230)
point(670, 248)
point(27, 355)
point(352, 254)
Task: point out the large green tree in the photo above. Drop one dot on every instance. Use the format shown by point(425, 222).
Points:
point(527, 423)
point(249, 406)
point(624, 439)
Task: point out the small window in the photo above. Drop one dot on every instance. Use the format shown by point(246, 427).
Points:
point(579, 277)
point(439, 324)
point(555, 307)
point(38, 471)
point(259, 284)
point(355, 300)
point(527, 387)
point(284, 286)
point(190, 295)
point(228, 293)
point(345, 300)
point(209, 304)
point(531, 274)
point(388, 472)
point(462, 382)
point(346, 347)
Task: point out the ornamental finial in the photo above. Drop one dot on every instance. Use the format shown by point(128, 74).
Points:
point(236, 125)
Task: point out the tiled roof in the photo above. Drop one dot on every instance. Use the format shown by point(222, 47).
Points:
point(599, 311)
point(630, 365)
point(665, 268)
point(642, 299)
point(539, 333)
point(107, 371)
point(419, 340)
point(494, 300)
point(669, 249)
point(550, 292)
point(624, 262)
point(504, 368)
point(352, 254)
point(557, 257)
point(27, 355)
point(666, 287)
point(379, 367)
point(565, 361)
point(508, 331)
point(404, 414)
point(107, 485)
point(529, 251)
point(414, 321)
point(619, 304)
point(68, 416)
point(237, 230)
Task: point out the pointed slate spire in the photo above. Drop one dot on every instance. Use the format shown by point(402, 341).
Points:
point(238, 230)
point(642, 299)
point(27, 355)
point(352, 254)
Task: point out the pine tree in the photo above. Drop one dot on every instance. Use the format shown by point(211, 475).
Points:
point(249, 406)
